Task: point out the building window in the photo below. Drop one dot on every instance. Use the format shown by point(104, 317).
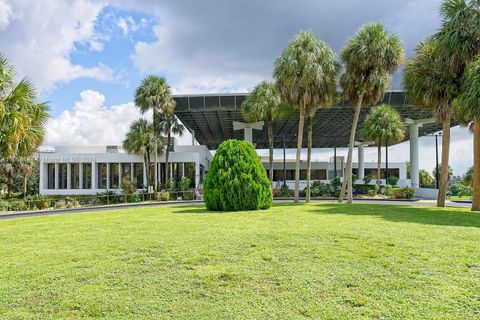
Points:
point(138, 174)
point(114, 175)
point(62, 176)
point(319, 174)
point(372, 173)
point(87, 175)
point(75, 176)
point(126, 172)
point(190, 172)
point(51, 176)
point(102, 175)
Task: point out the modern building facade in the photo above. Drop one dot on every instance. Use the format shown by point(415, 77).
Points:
point(214, 118)
point(90, 170)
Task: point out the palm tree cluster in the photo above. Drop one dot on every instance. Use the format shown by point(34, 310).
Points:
point(442, 76)
point(22, 121)
point(153, 94)
point(306, 77)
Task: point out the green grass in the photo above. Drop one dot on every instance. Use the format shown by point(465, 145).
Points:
point(462, 198)
point(314, 261)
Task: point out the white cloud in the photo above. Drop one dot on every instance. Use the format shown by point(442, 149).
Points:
point(122, 24)
point(42, 36)
point(91, 123)
point(5, 14)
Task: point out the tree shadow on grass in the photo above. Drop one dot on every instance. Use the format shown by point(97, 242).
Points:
point(396, 213)
point(194, 209)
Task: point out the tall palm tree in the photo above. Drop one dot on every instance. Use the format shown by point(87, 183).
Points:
point(154, 94)
point(430, 84)
point(369, 58)
point(459, 43)
point(383, 125)
point(305, 76)
point(264, 103)
point(468, 105)
point(140, 140)
point(168, 124)
point(22, 119)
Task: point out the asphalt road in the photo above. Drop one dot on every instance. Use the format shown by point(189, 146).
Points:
point(423, 203)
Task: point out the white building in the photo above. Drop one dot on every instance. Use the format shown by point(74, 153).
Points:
point(89, 170)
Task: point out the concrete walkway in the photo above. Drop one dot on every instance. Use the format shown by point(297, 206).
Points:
point(26, 214)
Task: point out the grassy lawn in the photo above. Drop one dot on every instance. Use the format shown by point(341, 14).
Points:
point(293, 262)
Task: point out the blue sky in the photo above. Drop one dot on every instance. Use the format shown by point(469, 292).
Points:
point(87, 56)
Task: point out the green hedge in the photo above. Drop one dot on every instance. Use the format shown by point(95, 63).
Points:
point(236, 179)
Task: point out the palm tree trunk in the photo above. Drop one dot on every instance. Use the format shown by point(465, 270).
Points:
point(155, 147)
point(146, 160)
point(9, 184)
point(25, 179)
point(299, 150)
point(347, 179)
point(442, 187)
point(309, 155)
point(379, 162)
point(476, 166)
point(270, 151)
point(167, 166)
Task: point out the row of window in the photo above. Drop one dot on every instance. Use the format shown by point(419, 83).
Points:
point(114, 173)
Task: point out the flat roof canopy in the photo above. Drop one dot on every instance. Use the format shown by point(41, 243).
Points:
point(211, 117)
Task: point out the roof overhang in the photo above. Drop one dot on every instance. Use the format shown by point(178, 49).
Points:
point(212, 118)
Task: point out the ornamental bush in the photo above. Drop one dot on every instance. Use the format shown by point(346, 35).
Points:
point(236, 179)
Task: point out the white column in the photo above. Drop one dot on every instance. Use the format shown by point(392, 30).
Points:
point(197, 174)
point(94, 175)
point(42, 176)
point(183, 169)
point(69, 175)
point(108, 176)
point(171, 170)
point(414, 155)
point(80, 175)
point(193, 137)
point(248, 135)
point(56, 175)
point(145, 174)
point(361, 162)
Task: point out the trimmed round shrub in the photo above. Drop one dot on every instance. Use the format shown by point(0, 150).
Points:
point(236, 179)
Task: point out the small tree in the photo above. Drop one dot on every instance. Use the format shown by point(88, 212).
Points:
point(425, 179)
point(383, 125)
point(264, 103)
point(236, 179)
point(369, 58)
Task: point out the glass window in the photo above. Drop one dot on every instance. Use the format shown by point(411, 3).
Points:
point(75, 176)
point(114, 175)
point(126, 171)
point(87, 175)
point(102, 175)
point(138, 174)
point(190, 172)
point(62, 175)
point(318, 174)
point(51, 176)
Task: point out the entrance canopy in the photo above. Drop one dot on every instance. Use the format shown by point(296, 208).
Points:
point(211, 119)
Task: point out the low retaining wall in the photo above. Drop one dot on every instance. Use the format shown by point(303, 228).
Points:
point(426, 193)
